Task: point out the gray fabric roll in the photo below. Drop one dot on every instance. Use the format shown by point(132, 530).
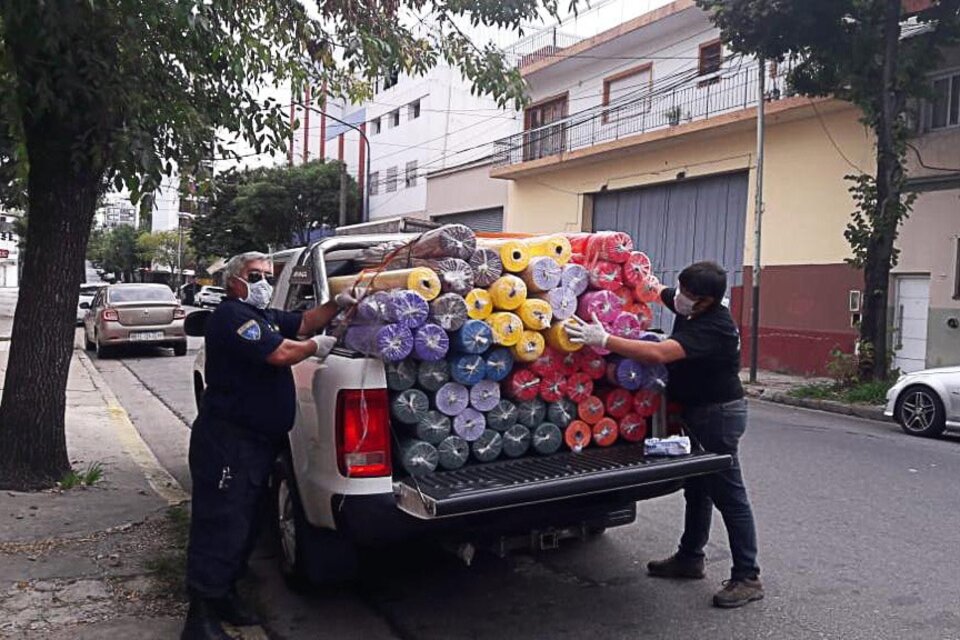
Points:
point(401, 375)
point(503, 416)
point(410, 406)
point(418, 457)
point(562, 413)
point(449, 311)
point(547, 439)
point(531, 413)
point(433, 375)
point(434, 427)
point(453, 452)
point(488, 446)
point(516, 441)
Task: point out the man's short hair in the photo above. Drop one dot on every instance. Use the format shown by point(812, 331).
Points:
point(237, 263)
point(705, 279)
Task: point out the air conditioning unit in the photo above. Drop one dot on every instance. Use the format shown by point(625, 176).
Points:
point(856, 301)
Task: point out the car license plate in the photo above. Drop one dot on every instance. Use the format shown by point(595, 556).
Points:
point(146, 335)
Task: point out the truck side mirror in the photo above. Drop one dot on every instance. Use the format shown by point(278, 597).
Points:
point(196, 323)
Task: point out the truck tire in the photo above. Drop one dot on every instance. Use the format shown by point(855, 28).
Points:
point(309, 556)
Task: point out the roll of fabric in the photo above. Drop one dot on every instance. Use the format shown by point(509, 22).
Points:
point(452, 399)
point(409, 407)
point(479, 304)
point(558, 338)
point(562, 413)
point(401, 375)
point(390, 343)
point(407, 308)
point(575, 278)
point(529, 348)
point(546, 439)
point(591, 410)
point(547, 362)
point(606, 276)
point(470, 424)
point(487, 267)
point(508, 293)
point(633, 427)
point(421, 280)
point(531, 412)
point(646, 403)
point(577, 435)
point(433, 375)
point(562, 301)
point(473, 337)
point(626, 373)
point(592, 365)
point(372, 308)
point(514, 254)
point(503, 416)
point(569, 363)
point(430, 343)
point(618, 402)
point(418, 457)
point(467, 369)
point(485, 395)
point(449, 311)
point(453, 452)
point(636, 268)
point(456, 275)
point(516, 441)
point(555, 246)
point(625, 295)
point(605, 432)
point(507, 328)
point(434, 427)
point(648, 290)
point(522, 385)
point(613, 246)
point(642, 311)
point(627, 325)
point(656, 379)
point(488, 446)
point(551, 387)
point(457, 240)
point(543, 274)
point(536, 314)
point(604, 304)
point(578, 242)
point(579, 387)
point(499, 362)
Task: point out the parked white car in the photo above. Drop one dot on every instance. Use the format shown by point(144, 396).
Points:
point(210, 296)
point(87, 291)
point(926, 402)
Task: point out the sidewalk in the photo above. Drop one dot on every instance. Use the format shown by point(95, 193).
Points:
point(776, 387)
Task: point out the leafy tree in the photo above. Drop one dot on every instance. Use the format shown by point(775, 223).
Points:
point(220, 231)
point(117, 251)
point(98, 92)
point(164, 248)
point(855, 50)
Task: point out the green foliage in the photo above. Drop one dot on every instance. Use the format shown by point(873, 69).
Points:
point(843, 368)
point(164, 249)
point(86, 478)
point(815, 391)
point(116, 250)
point(872, 393)
point(219, 231)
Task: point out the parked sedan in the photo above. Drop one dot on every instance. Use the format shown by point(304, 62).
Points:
point(926, 402)
point(210, 296)
point(126, 314)
point(87, 292)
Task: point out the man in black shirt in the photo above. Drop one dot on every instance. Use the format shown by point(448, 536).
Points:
point(703, 358)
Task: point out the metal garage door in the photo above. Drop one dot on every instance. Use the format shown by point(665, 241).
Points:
point(682, 222)
point(482, 220)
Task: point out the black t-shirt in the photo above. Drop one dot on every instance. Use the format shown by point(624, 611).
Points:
point(242, 388)
point(711, 371)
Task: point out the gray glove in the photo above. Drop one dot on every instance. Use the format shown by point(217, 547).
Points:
point(325, 345)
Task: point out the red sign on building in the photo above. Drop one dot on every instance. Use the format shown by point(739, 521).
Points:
point(4, 253)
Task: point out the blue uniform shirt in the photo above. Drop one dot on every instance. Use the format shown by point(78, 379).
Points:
point(242, 388)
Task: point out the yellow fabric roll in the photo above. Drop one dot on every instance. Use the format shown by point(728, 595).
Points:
point(507, 328)
point(422, 280)
point(479, 304)
point(508, 293)
point(425, 282)
point(556, 247)
point(558, 338)
point(530, 347)
point(536, 314)
point(513, 253)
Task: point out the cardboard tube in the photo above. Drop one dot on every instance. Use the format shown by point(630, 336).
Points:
point(422, 280)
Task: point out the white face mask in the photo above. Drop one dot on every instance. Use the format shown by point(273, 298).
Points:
point(683, 304)
point(258, 293)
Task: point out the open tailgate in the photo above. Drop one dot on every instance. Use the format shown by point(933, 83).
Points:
point(529, 480)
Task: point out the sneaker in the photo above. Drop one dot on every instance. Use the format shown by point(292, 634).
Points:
point(736, 593)
point(677, 567)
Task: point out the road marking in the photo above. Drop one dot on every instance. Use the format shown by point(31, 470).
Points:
point(160, 480)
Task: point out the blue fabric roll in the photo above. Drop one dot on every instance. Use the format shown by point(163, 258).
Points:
point(474, 337)
point(499, 364)
point(467, 369)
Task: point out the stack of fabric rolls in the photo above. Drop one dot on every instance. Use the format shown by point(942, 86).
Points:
point(479, 366)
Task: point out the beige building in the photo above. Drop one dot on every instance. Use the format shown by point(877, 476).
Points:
point(466, 194)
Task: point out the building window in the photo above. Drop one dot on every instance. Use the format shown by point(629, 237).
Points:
point(388, 80)
point(413, 110)
point(391, 180)
point(945, 107)
point(375, 126)
point(544, 140)
point(410, 179)
point(394, 117)
point(629, 91)
point(711, 57)
point(374, 183)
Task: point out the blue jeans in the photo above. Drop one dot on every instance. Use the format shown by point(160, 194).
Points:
point(718, 428)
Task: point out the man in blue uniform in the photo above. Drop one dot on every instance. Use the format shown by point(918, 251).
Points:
point(247, 410)
point(703, 358)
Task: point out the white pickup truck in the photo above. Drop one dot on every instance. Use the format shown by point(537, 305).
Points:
point(336, 490)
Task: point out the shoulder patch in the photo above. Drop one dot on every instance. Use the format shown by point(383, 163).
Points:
point(249, 330)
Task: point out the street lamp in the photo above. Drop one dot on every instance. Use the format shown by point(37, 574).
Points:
point(181, 216)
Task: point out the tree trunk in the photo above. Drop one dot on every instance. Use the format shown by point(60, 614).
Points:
point(62, 200)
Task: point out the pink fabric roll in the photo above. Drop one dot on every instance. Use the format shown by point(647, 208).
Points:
point(627, 325)
point(605, 304)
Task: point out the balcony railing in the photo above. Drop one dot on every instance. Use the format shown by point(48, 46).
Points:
point(702, 98)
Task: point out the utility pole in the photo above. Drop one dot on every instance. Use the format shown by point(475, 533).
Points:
point(758, 226)
point(343, 194)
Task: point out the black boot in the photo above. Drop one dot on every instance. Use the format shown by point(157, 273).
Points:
point(232, 609)
point(202, 622)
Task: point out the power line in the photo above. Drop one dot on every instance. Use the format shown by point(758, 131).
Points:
point(833, 141)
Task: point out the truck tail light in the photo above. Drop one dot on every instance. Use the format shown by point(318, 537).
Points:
point(110, 315)
point(179, 313)
point(363, 433)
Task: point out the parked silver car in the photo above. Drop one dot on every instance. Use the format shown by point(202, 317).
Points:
point(126, 314)
point(926, 402)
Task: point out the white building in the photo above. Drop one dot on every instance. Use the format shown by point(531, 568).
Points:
point(9, 251)
point(166, 204)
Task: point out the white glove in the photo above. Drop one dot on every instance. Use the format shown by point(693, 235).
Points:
point(344, 300)
point(325, 345)
point(591, 335)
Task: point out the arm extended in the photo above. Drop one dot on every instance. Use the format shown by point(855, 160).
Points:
point(649, 353)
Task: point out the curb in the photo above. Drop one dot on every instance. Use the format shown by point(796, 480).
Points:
point(830, 406)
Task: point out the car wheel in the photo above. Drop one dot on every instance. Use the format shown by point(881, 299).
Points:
point(103, 352)
point(920, 412)
point(180, 349)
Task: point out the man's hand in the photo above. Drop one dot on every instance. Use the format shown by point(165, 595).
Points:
point(325, 345)
point(591, 335)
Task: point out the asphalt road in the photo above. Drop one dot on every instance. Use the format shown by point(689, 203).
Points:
point(859, 531)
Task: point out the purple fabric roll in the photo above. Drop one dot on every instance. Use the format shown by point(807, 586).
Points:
point(626, 373)
point(542, 275)
point(657, 378)
point(576, 278)
point(452, 399)
point(449, 311)
point(485, 395)
point(372, 308)
point(469, 424)
point(431, 343)
point(563, 302)
point(487, 267)
point(394, 343)
point(407, 308)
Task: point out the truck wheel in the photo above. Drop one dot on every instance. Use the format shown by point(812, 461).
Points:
point(309, 556)
point(180, 349)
